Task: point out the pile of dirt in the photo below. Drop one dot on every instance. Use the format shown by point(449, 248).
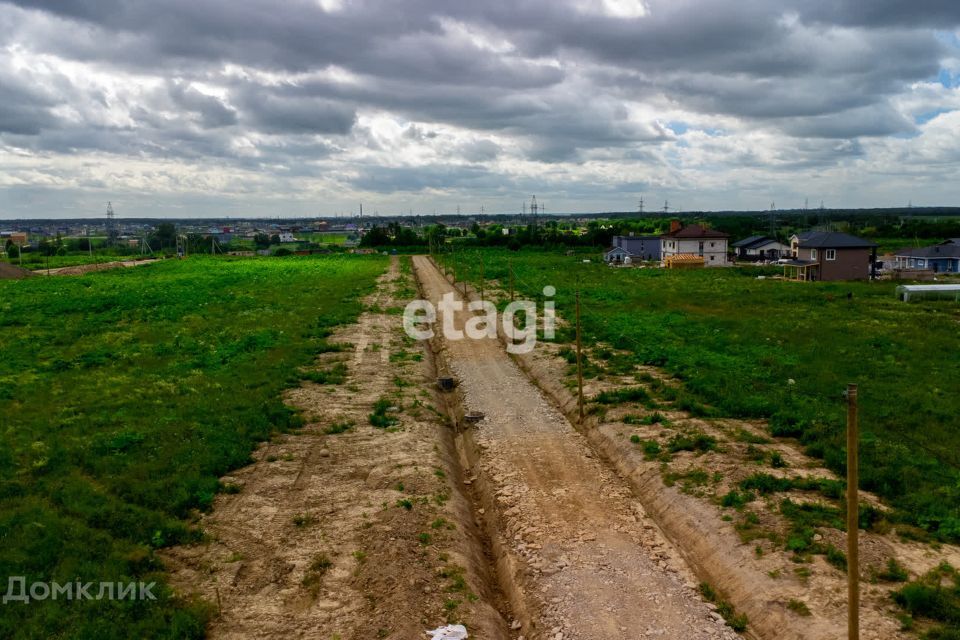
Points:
point(13, 272)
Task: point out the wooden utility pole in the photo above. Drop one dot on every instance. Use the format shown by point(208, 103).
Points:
point(481, 277)
point(579, 363)
point(853, 518)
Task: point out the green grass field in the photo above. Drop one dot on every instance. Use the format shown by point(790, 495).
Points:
point(124, 396)
point(737, 342)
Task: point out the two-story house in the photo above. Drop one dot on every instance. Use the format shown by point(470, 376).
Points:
point(636, 248)
point(695, 240)
point(829, 255)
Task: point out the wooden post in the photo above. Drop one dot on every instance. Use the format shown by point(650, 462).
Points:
point(481, 277)
point(510, 267)
point(579, 363)
point(853, 518)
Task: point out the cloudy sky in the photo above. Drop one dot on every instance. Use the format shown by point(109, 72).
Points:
point(307, 107)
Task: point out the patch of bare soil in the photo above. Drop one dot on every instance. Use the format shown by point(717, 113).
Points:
point(576, 551)
point(349, 530)
point(13, 272)
point(81, 269)
point(738, 549)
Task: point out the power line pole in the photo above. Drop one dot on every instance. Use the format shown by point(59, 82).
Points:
point(640, 208)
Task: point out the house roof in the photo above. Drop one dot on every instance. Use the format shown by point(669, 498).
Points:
point(934, 251)
point(695, 231)
point(832, 240)
point(754, 242)
point(748, 242)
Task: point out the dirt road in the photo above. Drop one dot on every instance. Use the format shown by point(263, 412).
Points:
point(586, 562)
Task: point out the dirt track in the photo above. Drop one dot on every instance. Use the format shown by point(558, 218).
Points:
point(584, 560)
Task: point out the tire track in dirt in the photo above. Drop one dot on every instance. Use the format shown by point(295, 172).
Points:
point(584, 561)
point(358, 534)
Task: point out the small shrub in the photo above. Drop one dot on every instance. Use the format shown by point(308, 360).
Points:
point(651, 449)
point(799, 607)
point(836, 558)
point(894, 572)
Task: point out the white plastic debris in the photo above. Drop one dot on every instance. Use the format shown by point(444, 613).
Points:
point(449, 632)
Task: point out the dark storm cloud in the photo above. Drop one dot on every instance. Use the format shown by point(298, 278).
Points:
point(24, 107)
point(291, 81)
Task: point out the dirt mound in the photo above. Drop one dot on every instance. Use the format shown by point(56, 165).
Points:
point(12, 272)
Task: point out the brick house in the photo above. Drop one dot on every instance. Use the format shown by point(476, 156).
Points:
point(828, 255)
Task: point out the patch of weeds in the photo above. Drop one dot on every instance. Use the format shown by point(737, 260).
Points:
point(894, 572)
point(339, 427)
point(231, 488)
point(651, 449)
point(777, 461)
point(381, 418)
point(737, 622)
point(620, 396)
point(748, 437)
point(405, 503)
point(688, 480)
point(799, 607)
point(360, 556)
point(697, 442)
point(316, 570)
point(337, 374)
point(302, 520)
point(441, 523)
point(836, 557)
point(736, 499)
point(935, 597)
point(425, 538)
point(755, 454)
point(635, 439)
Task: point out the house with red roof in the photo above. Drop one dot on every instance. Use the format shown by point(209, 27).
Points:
point(695, 240)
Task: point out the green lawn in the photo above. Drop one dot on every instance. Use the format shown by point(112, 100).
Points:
point(737, 342)
point(124, 395)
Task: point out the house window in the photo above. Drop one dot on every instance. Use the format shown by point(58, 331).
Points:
point(712, 258)
point(831, 254)
point(813, 254)
point(701, 248)
point(921, 263)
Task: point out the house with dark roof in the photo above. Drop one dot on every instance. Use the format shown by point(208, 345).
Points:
point(829, 255)
point(636, 248)
point(939, 258)
point(695, 240)
point(760, 248)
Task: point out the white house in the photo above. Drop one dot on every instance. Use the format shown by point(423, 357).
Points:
point(287, 236)
point(695, 240)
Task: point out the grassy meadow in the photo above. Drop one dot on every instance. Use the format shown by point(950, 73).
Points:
point(124, 396)
point(784, 351)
